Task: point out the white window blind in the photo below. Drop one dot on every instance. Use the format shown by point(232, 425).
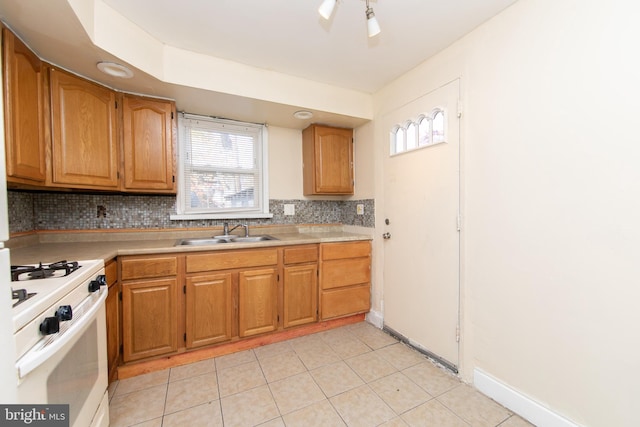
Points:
point(222, 168)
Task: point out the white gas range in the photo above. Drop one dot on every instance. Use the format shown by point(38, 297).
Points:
point(60, 335)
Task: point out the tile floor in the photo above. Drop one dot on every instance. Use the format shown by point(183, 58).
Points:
point(355, 375)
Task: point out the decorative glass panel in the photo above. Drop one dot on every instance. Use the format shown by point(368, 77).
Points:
point(438, 127)
point(399, 140)
point(412, 138)
point(424, 131)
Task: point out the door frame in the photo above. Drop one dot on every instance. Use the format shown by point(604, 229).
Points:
point(383, 147)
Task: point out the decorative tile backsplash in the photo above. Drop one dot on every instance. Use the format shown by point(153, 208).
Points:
point(70, 211)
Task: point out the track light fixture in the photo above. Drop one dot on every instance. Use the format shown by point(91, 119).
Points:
point(326, 8)
point(373, 28)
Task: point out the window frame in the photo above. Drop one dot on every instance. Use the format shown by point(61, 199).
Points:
point(402, 129)
point(260, 211)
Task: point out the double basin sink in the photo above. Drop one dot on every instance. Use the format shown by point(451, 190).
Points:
point(216, 240)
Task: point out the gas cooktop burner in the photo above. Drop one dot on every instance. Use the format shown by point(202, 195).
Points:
point(43, 271)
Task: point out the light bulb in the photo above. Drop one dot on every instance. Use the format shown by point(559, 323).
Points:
point(373, 28)
point(326, 8)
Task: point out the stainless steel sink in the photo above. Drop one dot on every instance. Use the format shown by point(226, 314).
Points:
point(205, 241)
point(252, 239)
point(201, 241)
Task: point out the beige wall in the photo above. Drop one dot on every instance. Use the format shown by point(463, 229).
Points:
point(285, 164)
point(551, 198)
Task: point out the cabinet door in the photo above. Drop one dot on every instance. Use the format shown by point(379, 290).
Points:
point(209, 309)
point(148, 145)
point(257, 301)
point(328, 160)
point(84, 145)
point(23, 112)
point(300, 295)
point(149, 318)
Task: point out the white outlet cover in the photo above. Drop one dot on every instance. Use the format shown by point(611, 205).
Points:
point(360, 209)
point(289, 209)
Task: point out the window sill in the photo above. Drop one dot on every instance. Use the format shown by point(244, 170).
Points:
point(182, 217)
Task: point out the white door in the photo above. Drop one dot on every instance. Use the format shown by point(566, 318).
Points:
point(421, 250)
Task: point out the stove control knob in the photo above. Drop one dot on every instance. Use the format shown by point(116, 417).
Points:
point(50, 325)
point(94, 285)
point(64, 312)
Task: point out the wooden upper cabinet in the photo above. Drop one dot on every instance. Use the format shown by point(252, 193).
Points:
point(84, 152)
point(23, 112)
point(327, 154)
point(148, 126)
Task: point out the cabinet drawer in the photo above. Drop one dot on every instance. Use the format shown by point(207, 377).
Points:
point(345, 272)
point(232, 259)
point(343, 302)
point(111, 272)
point(139, 268)
point(346, 250)
point(301, 254)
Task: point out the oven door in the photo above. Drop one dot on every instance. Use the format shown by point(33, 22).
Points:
point(71, 368)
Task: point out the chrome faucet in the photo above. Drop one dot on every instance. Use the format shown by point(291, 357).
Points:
point(226, 231)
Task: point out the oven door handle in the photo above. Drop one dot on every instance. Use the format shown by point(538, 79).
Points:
point(40, 353)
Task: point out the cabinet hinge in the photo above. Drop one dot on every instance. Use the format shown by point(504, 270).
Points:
point(184, 289)
point(173, 178)
point(120, 296)
point(278, 317)
point(116, 105)
point(121, 348)
point(458, 222)
point(457, 333)
point(278, 277)
point(185, 337)
point(172, 115)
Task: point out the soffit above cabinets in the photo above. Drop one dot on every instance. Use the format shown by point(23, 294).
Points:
point(246, 59)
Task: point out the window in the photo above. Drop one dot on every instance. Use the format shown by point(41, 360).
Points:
point(426, 130)
point(222, 169)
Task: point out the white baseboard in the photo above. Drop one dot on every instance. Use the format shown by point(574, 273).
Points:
point(375, 318)
point(517, 402)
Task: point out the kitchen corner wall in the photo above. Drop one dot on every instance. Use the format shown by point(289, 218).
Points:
point(30, 211)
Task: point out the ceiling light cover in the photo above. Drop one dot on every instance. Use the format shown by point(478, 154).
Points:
point(115, 69)
point(303, 114)
point(326, 8)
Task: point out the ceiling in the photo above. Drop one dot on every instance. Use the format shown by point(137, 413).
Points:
point(282, 36)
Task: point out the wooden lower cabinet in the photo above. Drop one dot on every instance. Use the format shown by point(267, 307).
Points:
point(178, 302)
point(257, 301)
point(345, 277)
point(150, 318)
point(112, 308)
point(300, 285)
point(209, 309)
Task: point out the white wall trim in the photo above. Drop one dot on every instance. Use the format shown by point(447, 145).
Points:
point(522, 405)
point(375, 318)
